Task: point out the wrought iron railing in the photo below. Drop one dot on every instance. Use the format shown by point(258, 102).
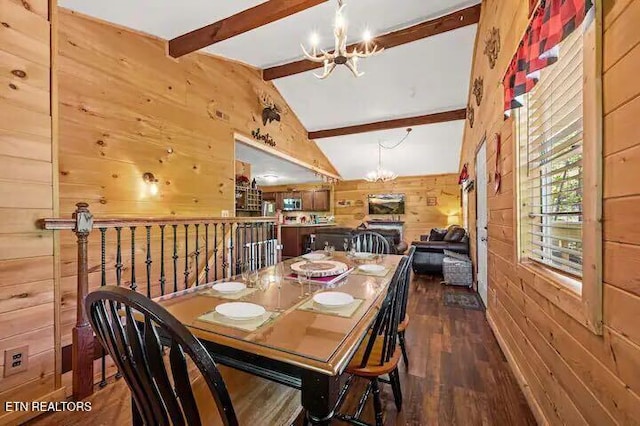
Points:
point(155, 256)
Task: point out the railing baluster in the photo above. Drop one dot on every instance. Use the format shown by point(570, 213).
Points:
point(133, 285)
point(175, 258)
point(118, 256)
point(148, 261)
point(251, 246)
point(163, 279)
point(197, 253)
point(224, 251)
point(215, 251)
point(206, 250)
point(231, 270)
point(103, 282)
point(186, 255)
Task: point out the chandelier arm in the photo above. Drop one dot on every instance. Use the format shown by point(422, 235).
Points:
point(368, 53)
point(310, 56)
point(328, 69)
point(354, 69)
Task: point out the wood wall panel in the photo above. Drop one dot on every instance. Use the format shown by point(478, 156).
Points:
point(26, 194)
point(570, 374)
point(419, 218)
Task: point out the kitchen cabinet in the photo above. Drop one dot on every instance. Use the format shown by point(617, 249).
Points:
point(321, 201)
point(279, 200)
point(269, 196)
point(308, 200)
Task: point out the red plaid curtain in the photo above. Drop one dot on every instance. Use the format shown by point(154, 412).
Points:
point(552, 22)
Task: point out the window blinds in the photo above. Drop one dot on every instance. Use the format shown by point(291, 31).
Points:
point(550, 154)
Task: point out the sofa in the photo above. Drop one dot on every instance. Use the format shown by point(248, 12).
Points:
point(336, 235)
point(430, 249)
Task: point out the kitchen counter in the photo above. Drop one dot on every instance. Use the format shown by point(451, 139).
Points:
point(306, 225)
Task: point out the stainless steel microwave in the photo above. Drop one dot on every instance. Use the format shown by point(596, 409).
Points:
point(291, 204)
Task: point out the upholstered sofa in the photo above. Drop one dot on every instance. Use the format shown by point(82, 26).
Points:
point(336, 235)
point(430, 249)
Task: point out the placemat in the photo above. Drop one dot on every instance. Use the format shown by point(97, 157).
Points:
point(346, 312)
point(250, 325)
point(229, 296)
point(384, 273)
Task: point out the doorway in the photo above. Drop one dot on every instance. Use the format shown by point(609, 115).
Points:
point(482, 221)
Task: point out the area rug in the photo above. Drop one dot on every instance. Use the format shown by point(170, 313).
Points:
point(456, 299)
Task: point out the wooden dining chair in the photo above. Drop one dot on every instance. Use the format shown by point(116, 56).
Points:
point(127, 324)
point(404, 317)
point(370, 242)
point(379, 354)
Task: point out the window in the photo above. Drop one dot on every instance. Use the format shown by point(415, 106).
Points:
point(550, 142)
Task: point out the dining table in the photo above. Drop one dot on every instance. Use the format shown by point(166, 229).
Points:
point(304, 348)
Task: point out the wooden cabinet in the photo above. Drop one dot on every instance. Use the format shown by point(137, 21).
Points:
point(307, 200)
point(269, 196)
point(280, 200)
point(321, 201)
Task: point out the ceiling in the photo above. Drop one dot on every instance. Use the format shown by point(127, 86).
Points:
point(264, 164)
point(422, 77)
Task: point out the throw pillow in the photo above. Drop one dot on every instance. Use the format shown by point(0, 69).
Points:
point(437, 234)
point(455, 235)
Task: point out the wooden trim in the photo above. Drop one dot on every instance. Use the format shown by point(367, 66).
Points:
point(592, 155)
point(269, 150)
point(450, 22)
point(438, 117)
point(247, 20)
point(55, 179)
point(537, 411)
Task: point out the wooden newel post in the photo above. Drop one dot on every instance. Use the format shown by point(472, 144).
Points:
point(82, 358)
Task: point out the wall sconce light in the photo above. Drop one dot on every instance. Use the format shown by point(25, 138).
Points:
point(152, 183)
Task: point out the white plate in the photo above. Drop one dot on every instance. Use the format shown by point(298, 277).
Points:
point(314, 256)
point(240, 310)
point(333, 299)
point(372, 269)
point(229, 287)
point(362, 255)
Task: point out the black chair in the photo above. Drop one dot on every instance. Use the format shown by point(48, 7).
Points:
point(370, 242)
point(404, 317)
point(127, 324)
point(379, 354)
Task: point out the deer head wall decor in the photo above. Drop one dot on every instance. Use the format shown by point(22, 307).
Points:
point(270, 111)
point(478, 87)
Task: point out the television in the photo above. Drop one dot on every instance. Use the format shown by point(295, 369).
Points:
point(386, 204)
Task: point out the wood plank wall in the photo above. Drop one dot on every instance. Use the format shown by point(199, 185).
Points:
point(419, 218)
point(26, 194)
point(570, 375)
point(126, 109)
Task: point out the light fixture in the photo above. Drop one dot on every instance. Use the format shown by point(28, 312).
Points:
point(381, 174)
point(270, 178)
point(152, 183)
point(340, 55)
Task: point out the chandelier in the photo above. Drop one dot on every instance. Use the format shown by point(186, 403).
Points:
point(340, 55)
point(381, 174)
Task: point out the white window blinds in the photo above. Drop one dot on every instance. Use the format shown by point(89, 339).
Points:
point(550, 154)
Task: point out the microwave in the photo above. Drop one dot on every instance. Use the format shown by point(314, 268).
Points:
point(292, 204)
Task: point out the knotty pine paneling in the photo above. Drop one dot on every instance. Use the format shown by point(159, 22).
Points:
point(419, 218)
point(573, 375)
point(26, 194)
point(126, 109)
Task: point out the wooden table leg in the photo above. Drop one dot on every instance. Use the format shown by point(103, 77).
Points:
point(319, 396)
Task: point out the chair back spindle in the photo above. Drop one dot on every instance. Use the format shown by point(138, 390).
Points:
point(159, 396)
point(370, 242)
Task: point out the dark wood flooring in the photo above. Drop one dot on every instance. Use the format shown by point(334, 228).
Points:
point(457, 374)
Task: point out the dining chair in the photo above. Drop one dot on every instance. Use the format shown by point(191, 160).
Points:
point(127, 324)
point(370, 242)
point(378, 354)
point(404, 317)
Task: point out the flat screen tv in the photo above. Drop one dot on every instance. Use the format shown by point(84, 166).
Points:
point(386, 204)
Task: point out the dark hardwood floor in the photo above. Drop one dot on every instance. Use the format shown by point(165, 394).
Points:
point(457, 374)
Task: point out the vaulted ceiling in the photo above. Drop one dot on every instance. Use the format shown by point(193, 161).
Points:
point(425, 76)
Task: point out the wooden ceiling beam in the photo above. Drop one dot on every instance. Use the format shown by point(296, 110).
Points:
point(450, 22)
point(247, 20)
point(439, 117)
